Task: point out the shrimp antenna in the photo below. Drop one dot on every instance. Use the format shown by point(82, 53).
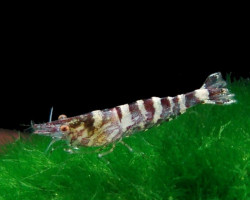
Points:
point(51, 113)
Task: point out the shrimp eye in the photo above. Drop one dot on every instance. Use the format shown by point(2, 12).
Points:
point(62, 117)
point(64, 128)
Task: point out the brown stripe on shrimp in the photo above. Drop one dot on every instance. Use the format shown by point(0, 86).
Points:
point(136, 114)
point(119, 112)
point(149, 107)
point(191, 99)
point(169, 106)
point(176, 106)
point(166, 106)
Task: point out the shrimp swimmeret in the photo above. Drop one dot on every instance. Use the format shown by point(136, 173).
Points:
point(101, 127)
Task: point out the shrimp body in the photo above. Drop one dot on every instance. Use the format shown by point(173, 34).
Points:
point(102, 127)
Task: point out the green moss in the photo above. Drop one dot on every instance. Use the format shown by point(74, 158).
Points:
point(204, 154)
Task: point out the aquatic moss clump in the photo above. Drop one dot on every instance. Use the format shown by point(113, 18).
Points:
point(204, 154)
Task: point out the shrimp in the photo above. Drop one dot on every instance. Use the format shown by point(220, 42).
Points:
point(102, 127)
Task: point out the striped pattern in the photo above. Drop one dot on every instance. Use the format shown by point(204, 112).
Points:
point(100, 127)
point(191, 99)
point(144, 113)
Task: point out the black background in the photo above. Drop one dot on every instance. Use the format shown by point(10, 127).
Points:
point(81, 67)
